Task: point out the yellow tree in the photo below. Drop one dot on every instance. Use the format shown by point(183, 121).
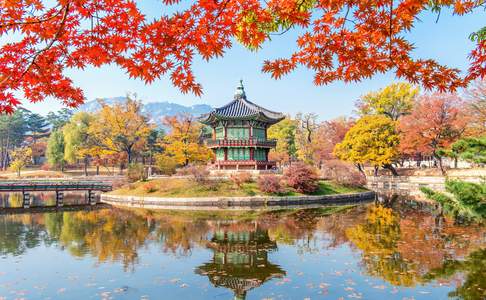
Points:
point(393, 101)
point(372, 140)
point(183, 140)
point(20, 158)
point(120, 128)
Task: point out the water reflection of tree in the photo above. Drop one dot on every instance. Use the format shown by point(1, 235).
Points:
point(240, 259)
point(474, 270)
point(402, 247)
point(377, 237)
point(17, 234)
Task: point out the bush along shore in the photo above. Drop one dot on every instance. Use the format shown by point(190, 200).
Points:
point(300, 185)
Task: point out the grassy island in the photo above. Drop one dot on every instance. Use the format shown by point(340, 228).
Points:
point(182, 187)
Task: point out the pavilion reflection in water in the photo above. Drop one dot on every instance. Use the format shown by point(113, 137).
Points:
point(240, 259)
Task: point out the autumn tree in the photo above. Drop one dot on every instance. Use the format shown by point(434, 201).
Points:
point(346, 40)
point(121, 128)
point(437, 120)
point(327, 136)
point(393, 101)
point(183, 140)
point(284, 132)
point(372, 140)
point(78, 143)
point(20, 158)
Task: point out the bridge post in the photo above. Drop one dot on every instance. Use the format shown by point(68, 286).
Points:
point(91, 197)
point(25, 199)
point(59, 198)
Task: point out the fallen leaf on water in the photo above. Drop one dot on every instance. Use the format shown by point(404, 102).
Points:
point(61, 290)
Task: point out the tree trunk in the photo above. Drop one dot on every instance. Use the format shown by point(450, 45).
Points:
point(376, 171)
point(391, 168)
point(439, 162)
point(97, 170)
point(86, 166)
point(18, 173)
point(360, 169)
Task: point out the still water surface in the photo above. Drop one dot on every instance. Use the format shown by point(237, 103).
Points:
point(366, 252)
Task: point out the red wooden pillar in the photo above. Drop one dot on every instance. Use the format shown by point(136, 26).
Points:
point(214, 133)
point(252, 153)
point(225, 154)
point(225, 132)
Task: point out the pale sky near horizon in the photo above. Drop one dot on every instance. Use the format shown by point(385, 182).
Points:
point(446, 41)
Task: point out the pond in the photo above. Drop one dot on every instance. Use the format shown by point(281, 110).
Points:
point(363, 252)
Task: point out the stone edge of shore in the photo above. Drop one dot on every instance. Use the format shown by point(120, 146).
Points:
point(235, 202)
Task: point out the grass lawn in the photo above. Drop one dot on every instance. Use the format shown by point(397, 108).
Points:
point(172, 187)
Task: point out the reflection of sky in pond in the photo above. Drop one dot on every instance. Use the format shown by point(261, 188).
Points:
point(362, 253)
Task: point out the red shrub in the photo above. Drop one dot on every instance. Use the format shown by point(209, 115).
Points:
point(343, 173)
point(45, 167)
point(302, 177)
point(149, 187)
point(270, 184)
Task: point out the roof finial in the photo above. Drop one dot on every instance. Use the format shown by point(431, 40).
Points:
point(240, 91)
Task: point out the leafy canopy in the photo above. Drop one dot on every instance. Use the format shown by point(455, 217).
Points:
point(373, 139)
point(341, 40)
point(393, 101)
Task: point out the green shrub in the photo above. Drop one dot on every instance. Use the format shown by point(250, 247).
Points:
point(467, 200)
point(166, 164)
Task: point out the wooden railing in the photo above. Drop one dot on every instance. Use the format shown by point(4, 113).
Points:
point(241, 143)
point(45, 185)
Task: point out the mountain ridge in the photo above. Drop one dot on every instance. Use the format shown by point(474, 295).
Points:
point(155, 110)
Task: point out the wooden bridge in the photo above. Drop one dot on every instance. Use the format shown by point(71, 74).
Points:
point(26, 187)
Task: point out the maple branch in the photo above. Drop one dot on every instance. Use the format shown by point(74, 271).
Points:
point(32, 22)
point(36, 55)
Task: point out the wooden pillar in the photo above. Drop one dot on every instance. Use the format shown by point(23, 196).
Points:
point(214, 133)
point(252, 153)
point(59, 198)
point(225, 154)
point(225, 132)
point(25, 200)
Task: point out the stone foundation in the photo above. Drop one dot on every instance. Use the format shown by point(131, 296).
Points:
point(272, 202)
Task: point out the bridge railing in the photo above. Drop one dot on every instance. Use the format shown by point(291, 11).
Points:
point(46, 185)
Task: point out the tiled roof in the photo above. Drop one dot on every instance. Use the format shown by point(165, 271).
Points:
point(240, 107)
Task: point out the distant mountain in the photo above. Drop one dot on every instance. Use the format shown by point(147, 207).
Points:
point(155, 110)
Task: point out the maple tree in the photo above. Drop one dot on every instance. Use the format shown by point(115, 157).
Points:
point(341, 40)
point(20, 158)
point(393, 101)
point(372, 140)
point(120, 129)
point(437, 120)
point(183, 140)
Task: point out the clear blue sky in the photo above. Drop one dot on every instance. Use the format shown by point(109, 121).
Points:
point(446, 41)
